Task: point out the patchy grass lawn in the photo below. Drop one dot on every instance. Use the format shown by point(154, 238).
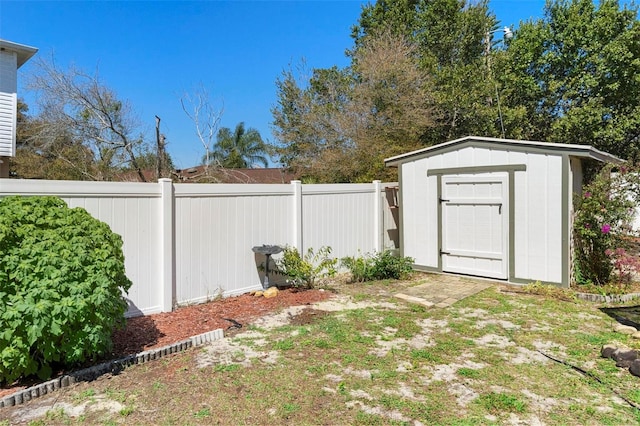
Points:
point(365, 358)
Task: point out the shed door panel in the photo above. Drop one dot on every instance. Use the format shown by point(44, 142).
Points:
point(475, 225)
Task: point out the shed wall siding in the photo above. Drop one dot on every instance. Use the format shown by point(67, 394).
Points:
point(8, 102)
point(538, 218)
point(538, 196)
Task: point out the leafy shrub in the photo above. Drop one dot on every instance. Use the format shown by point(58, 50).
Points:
point(603, 214)
point(380, 266)
point(304, 271)
point(61, 281)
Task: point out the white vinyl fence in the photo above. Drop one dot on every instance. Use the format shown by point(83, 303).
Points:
point(187, 243)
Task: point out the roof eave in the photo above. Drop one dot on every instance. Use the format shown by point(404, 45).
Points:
point(24, 52)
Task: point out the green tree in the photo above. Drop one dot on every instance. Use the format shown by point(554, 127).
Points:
point(420, 74)
point(341, 124)
point(574, 75)
point(397, 16)
point(241, 149)
point(454, 46)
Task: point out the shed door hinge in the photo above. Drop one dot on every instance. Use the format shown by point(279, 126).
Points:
point(442, 200)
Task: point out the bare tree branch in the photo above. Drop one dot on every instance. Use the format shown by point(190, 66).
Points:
point(79, 104)
point(206, 119)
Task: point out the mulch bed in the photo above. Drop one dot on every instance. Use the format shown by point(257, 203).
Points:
point(154, 331)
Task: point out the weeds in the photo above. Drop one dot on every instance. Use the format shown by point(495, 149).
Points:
point(379, 266)
point(305, 271)
point(498, 402)
point(201, 414)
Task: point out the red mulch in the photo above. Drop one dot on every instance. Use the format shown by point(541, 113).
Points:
point(153, 331)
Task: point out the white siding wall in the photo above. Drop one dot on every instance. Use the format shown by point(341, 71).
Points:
point(212, 229)
point(419, 195)
point(8, 102)
point(538, 217)
point(538, 221)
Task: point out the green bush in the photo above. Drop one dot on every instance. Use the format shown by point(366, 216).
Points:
point(61, 281)
point(604, 212)
point(304, 271)
point(380, 266)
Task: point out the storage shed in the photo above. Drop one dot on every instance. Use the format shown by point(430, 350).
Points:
point(495, 208)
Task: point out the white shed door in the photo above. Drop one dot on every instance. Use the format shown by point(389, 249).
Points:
point(475, 225)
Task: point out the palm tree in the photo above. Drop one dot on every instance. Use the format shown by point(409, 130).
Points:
point(240, 149)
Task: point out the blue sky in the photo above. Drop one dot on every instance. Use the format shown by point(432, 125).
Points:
point(152, 52)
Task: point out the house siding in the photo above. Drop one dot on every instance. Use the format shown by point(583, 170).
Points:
point(8, 102)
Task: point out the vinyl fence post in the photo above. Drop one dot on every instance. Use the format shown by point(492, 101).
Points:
point(377, 216)
point(297, 215)
point(166, 244)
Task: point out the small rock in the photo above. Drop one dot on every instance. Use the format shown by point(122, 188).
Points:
point(636, 335)
point(608, 350)
point(624, 357)
point(634, 368)
point(258, 293)
point(270, 292)
point(625, 329)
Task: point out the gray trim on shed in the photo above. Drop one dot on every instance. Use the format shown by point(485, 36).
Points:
point(582, 151)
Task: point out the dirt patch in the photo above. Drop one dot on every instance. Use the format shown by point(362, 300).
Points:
point(308, 316)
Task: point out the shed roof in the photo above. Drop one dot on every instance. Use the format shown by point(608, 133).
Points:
point(24, 52)
point(582, 151)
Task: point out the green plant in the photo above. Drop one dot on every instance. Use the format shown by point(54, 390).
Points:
point(61, 282)
point(379, 266)
point(304, 271)
point(547, 290)
point(496, 402)
point(126, 411)
point(201, 414)
point(603, 214)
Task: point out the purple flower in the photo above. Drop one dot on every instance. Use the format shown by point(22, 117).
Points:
point(606, 228)
point(587, 225)
point(587, 194)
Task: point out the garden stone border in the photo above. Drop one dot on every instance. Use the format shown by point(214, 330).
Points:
point(613, 298)
point(113, 366)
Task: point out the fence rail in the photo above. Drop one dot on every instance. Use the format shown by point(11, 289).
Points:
point(186, 243)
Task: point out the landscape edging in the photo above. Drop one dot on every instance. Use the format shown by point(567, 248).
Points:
point(610, 298)
point(113, 366)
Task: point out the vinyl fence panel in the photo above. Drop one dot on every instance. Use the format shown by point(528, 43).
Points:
point(187, 243)
point(216, 227)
